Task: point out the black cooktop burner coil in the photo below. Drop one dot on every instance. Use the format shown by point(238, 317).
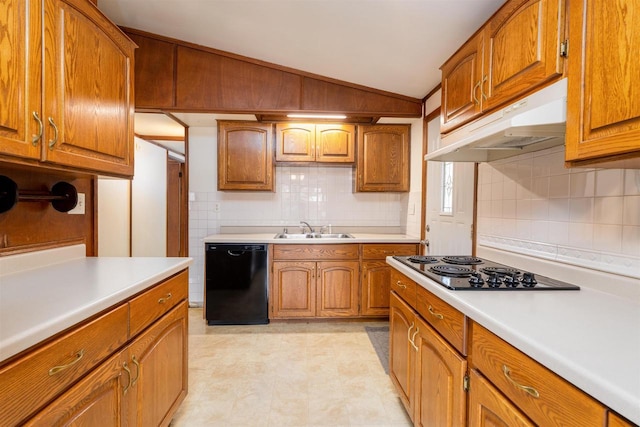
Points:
point(502, 271)
point(422, 259)
point(452, 270)
point(463, 260)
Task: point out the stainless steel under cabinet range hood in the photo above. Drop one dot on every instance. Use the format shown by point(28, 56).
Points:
point(531, 124)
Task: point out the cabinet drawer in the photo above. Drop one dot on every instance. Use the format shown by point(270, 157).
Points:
point(155, 302)
point(448, 321)
point(315, 252)
point(404, 287)
point(545, 397)
point(381, 251)
point(35, 379)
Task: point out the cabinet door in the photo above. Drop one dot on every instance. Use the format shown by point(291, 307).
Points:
point(88, 94)
point(337, 288)
point(614, 420)
point(487, 407)
point(383, 158)
point(295, 142)
point(245, 156)
point(603, 103)
point(402, 354)
point(522, 49)
point(293, 289)
point(335, 143)
point(20, 80)
point(376, 284)
point(99, 399)
point(440, 397)
point(158, 360)
point(461, 79)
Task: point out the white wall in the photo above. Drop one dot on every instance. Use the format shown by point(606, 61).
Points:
point(318, 194)
point(149, 201)
point(114, 210)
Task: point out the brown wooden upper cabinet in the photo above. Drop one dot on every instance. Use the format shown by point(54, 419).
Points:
point(245, 156)
point(514, 53)
point(81, 116)
point(603, 86)
point(383, 158)
point(325, 143)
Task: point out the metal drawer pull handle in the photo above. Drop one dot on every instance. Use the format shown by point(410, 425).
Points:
point(401, 285)
point(473, 93)
point(433, 313)
point(530, 390)
point(135, 362)
point(57, 369)
point(36, 138)
point(53, 142)
point(165, 299)
point(413, 339)
point(126, 368)
point(409, 331)
point(484, 79)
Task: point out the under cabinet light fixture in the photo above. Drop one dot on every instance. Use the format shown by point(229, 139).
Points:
point(317, 116)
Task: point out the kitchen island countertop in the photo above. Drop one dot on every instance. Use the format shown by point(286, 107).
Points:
point(588, 337)
point(37, 303)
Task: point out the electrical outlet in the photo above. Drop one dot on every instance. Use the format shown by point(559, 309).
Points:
point(216, 207)
point(79, 209)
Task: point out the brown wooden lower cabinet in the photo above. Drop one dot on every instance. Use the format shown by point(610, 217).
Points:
point(375, 276)
point(428, 373)
point(402, 320)
point(158, 363)
point(142, 384)
point(440, 375)
point(614, 420)
point(138, 382)
point(97, 400)
point(315, 289)
point(375, 283)
point(497, 386)
point(337, 288)
point(293, 292)
point(488, 407)
point(546, 398)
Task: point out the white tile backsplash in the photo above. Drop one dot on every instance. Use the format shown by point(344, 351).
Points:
point(532, 205)
point(632, 182)
point(609, 182)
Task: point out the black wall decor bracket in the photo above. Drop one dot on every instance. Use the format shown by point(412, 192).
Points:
point(63, 196)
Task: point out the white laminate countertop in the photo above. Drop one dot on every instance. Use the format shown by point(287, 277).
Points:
point(38, 303)
point(270, 238)
point(588, 337)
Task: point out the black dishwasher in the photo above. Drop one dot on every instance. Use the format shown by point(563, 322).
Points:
point(236, 284)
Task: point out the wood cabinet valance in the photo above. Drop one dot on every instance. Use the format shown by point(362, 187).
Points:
point(174, 75)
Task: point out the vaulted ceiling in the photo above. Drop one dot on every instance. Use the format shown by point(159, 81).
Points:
point(393, 45)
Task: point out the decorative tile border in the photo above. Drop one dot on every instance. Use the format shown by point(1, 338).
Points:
point(596, 260)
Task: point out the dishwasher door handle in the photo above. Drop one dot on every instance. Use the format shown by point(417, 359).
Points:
point(235, 254)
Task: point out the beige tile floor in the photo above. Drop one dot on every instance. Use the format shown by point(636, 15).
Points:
point(286, 374)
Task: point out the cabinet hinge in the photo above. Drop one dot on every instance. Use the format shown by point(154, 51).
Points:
point(564, 48)
point(465, 383)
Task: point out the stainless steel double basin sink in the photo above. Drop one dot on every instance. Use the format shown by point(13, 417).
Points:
point(313, 236)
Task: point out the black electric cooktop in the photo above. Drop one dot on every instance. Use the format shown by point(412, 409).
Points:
point(474, 274)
